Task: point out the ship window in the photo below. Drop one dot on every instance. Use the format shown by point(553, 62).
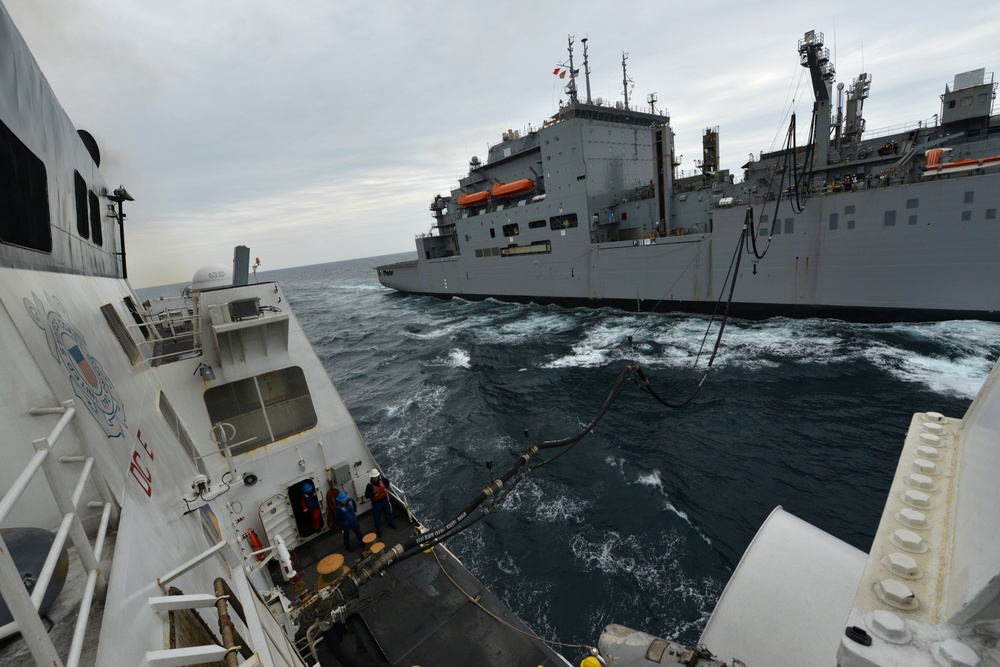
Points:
point(174, 422)
point(263, 409)
point(913, 220)
point(764, 218)
point(777, 228)
point(789, 225)
point(624, 216)
point(968, 196)
point(966, 216)
point(479, 252)
point(912, 203)
point(951, 104)
point(82, 217)
point(563, 221)
point(850, 224)
point(535, 224)
point(495, 252)
point(95, 219)
point(991, 214)
point(890, 219)
point(511, 230)
point(24, 195)
point(493, 233)
point(848, 210)
point(833, 221)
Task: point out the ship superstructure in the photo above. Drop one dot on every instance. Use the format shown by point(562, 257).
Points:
point(590, 209)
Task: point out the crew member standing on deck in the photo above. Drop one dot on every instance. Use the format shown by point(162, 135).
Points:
point(347, 518)
point(378, 491)
point(310, 506)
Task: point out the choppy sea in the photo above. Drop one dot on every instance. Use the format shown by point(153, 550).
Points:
point(642, 522)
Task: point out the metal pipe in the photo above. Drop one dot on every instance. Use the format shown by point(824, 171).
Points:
point(21, 483)
point(225, 624)
point(81, 483)
point(63, 501)
point(61, 425)
point(51, 561)
point(80, 630)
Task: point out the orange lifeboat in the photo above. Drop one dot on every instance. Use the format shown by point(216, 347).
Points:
point(474, 199)
point(515, 188)
point(935, 167)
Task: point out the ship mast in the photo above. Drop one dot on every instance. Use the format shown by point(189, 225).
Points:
point(625, 79)
point(814, 56)
point(586, 68)
point(571, 87)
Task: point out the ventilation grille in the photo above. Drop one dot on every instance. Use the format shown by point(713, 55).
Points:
point(121, 333)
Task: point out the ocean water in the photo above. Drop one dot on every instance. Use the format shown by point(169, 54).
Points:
point(644, 520)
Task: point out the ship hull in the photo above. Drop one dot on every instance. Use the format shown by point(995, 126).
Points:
point(883, 262)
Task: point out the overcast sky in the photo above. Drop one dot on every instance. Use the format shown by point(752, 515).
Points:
point(315, 131)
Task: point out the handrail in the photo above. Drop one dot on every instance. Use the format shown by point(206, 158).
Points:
point(24, 607)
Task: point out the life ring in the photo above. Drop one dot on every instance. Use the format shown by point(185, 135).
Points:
point(255, 543)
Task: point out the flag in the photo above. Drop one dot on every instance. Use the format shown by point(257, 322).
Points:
point(84, 365)
point(576, 73)
point(560, 72)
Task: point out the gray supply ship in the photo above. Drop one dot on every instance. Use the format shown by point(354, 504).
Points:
point(590, 210)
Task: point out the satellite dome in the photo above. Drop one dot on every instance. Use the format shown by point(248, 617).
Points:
point(211, 276)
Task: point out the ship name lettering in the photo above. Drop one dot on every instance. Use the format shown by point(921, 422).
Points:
point(139, 471)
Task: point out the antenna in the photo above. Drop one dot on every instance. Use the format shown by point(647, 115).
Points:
point(571, 87)
point(586, 67)
point(625, 79)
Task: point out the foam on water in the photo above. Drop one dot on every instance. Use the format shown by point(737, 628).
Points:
point(652, 479)
point(459, 358)
point(653, 567)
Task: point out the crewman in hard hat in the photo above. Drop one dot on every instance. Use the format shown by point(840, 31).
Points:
point(310, 506)
point(347, 518)
point(378, 491)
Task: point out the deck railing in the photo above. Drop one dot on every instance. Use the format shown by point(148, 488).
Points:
point(24, 607)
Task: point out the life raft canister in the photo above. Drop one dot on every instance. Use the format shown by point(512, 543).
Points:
point(255, 543)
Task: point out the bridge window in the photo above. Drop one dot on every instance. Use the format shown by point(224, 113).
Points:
point(24, 195)
point(82, 216)
point(95, 219)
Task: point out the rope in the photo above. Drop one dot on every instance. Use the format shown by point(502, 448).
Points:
point(532, 635)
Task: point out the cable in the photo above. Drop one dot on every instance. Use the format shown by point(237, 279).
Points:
point(476, 602)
